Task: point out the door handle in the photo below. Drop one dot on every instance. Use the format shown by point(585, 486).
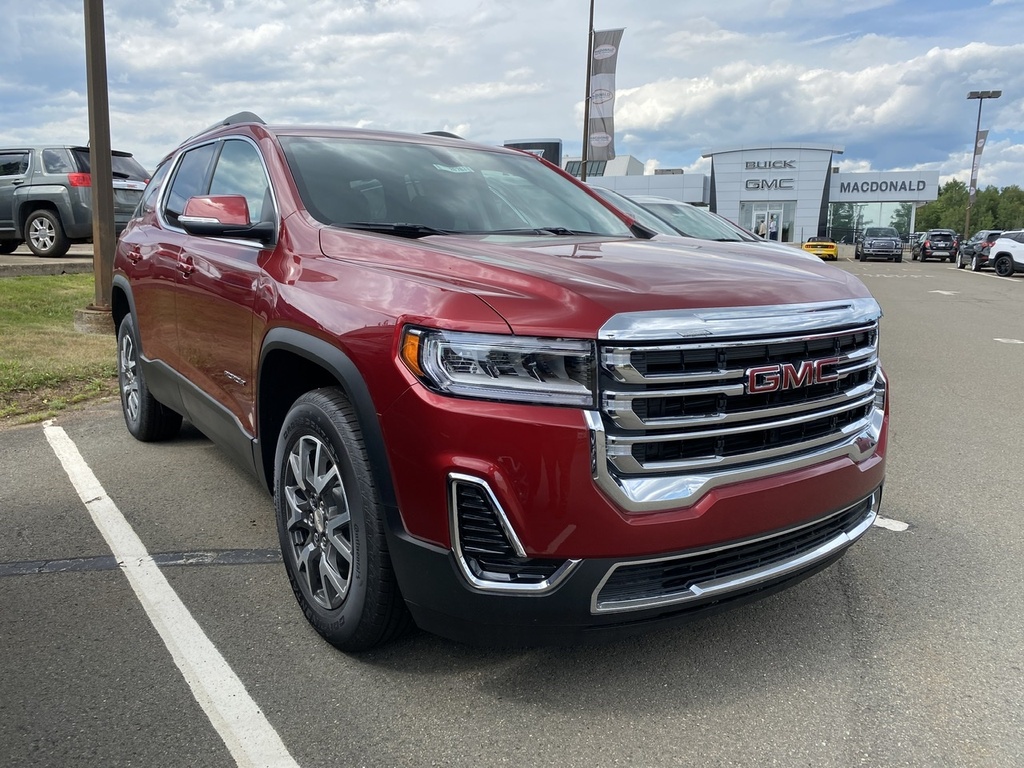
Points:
point(134, 254)
point(186, 266)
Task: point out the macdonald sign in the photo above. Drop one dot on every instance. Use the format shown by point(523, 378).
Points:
point(874, 187)
point(899, 186)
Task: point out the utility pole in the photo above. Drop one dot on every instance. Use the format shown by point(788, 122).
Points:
point(97, 315)
point(586, 99)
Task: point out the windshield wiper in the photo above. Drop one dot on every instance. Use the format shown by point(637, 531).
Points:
point(559, 231)
point(401, 229)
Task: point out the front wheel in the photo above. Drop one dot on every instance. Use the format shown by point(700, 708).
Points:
point(330, 522)
point(1004, 266)
point(45, 234)
point(147, 418)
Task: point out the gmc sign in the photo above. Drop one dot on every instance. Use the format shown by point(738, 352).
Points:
point(773, 378)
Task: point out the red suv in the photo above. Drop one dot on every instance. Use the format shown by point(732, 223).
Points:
point(484, 400)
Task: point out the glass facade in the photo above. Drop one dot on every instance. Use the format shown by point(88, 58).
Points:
point(594, 167)
point(847, 220)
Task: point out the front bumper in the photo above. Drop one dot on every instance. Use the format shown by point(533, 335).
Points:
point(535, 469)
point(609, 597)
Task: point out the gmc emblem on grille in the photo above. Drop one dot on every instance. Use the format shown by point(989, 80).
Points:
point(773, 378)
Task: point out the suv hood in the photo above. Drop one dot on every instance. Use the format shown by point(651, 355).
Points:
point(573, 285)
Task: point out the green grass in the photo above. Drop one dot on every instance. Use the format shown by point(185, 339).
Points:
point(45, 364)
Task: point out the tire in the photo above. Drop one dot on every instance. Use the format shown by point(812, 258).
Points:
point(1004, 266)
point(975, 263)
point(913, 256)
point(330, 523)
point(899, 258)
point(922, 257)
point(960, 263)
point(147, 419)
point(45, 235)
point(8, 246)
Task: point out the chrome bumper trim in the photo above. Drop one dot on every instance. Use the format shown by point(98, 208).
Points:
point(723, 586)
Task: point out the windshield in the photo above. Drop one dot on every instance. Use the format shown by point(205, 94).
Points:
point(696, 222)
point(645, 217)
point(415, 189)
point(881, 232)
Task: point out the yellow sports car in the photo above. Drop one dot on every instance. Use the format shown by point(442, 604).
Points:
point(825, 247)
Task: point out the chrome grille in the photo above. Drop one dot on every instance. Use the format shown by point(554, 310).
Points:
point(696, 406)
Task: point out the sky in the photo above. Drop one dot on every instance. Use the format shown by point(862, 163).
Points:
point(886, 79)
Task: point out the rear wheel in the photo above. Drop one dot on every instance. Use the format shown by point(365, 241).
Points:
point(1004, 266)
point(331, 525)
point(146, 418)
point(45, 234)
point(960, 263)
point(975, 263)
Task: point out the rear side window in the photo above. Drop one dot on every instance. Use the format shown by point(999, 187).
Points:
point(148, 202)
point(57, 160)
point(13, 163)
point(189, 180)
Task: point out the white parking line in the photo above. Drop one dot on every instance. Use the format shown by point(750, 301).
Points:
point(891, 525)
point(246, 732)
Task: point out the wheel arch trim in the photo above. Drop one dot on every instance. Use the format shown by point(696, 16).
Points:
point(349, 378)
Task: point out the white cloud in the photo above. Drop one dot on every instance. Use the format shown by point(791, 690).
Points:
point(885, 79)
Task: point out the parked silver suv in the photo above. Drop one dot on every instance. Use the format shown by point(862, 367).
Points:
point(46, 196)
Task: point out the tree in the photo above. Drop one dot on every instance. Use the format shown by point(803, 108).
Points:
point(994, 208)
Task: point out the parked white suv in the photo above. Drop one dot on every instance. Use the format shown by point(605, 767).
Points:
point(1007, 253)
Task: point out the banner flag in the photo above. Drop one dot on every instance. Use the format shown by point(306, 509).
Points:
point(601, 128)
point(979, 145)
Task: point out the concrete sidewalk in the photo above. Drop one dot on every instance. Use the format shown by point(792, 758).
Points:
point(23, 262)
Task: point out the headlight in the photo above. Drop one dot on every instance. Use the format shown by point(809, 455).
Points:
point(494, 367)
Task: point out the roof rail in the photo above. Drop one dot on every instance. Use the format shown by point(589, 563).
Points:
point(235, 119)
point(445, 134)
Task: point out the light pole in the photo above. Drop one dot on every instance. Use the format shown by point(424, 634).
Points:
point(972, 190)
point(586, 101)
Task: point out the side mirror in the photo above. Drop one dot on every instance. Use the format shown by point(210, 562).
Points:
point(223, 216)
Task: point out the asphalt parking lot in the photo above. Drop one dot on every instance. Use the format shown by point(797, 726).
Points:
point(190, 650)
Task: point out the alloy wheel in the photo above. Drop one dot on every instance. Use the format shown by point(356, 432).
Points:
point(127, 364)
point(319, 522)
point(42, 233)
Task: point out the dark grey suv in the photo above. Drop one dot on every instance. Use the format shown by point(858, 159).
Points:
point(46, 196)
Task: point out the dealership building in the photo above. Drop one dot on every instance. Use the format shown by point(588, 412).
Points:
point(795, 189)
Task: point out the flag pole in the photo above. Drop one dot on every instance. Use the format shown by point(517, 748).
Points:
point(586, 99)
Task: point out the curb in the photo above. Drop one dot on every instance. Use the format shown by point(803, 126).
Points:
point(46, 268)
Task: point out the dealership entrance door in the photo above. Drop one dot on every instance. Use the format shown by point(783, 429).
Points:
point(754, 213)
